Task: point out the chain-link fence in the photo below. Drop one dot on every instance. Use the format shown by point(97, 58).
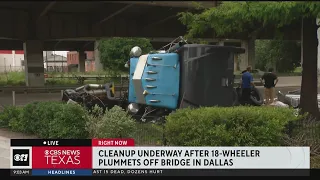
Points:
point(5, 69)
point(150, 134)
point(61, 69)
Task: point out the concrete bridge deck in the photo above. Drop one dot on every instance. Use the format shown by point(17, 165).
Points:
point(75, 25)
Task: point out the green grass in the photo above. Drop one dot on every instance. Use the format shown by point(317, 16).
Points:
point(18, 78)
point(12, 78)
point(298, 70)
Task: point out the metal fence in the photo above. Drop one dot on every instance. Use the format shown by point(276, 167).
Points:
point(4, 69)
point(150, 134)
point(55, 68)
point(61, 69)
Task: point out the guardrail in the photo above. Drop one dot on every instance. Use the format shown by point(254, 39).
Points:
point(86, 75)
point(50, 89)
point(81, 78)
point(26, 89)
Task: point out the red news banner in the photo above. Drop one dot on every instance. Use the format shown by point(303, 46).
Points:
point(70, 157)
point(112, 142)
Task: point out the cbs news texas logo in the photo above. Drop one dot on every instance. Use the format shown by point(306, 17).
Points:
point(62, 157)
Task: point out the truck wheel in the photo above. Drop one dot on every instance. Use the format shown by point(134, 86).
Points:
point(256, 97)
point(235, 97)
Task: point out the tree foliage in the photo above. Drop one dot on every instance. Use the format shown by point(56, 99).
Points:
point(247, 17)
point(114, 52)
point(283, 56)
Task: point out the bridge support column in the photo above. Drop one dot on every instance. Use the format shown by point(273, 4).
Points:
point(97, 62)
point(34, 67)
point(248, 58)
point(82, 62)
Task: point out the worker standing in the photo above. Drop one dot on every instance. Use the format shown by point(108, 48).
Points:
point(246, 85)
point(269, 80)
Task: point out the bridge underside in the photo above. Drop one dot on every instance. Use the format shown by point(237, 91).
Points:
point(63, 20)
point(88, 45)
point(75, 26)
point(50, 45)
point(47, 20)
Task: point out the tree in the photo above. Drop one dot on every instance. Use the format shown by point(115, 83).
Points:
point(309, 84)
point(114, 52)
point(283, 56)
point(250, 17)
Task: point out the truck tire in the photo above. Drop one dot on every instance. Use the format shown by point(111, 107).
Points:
point(235, 97)
point(256, 97)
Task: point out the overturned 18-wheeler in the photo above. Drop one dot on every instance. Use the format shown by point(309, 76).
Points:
point(184, 75)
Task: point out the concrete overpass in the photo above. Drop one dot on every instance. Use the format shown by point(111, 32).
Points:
point(75, 26)
point(71, 25)
point(87, 44)
point(55, 20)
point(46, 25)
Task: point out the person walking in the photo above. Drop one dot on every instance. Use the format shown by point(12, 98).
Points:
point(246, 85)
point(269, 81)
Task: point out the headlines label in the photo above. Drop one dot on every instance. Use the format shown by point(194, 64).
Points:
point(201, 157)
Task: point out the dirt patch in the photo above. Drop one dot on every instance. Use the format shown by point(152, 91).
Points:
point(6, 133)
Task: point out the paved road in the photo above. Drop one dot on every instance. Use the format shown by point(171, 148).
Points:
point(289, 81)
point(23, 99)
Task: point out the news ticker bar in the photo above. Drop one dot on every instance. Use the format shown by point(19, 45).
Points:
point(72, 142)
point(160, 172)
point(32, 156)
